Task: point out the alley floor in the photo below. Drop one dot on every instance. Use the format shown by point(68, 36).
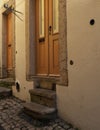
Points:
point(12, 117)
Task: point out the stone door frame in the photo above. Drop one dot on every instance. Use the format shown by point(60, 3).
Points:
point(30, 41)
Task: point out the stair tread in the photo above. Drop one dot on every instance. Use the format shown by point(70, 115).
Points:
point(5, 92)
point(43, 92)
point(3, 89)
point(38, 108)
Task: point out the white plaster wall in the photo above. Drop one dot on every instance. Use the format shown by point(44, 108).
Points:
point(21, 54)
point(79, 103)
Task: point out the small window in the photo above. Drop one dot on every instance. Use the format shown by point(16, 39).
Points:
point(41, 18)
point(55, 16)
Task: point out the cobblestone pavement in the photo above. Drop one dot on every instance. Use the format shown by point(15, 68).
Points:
point(13, 118)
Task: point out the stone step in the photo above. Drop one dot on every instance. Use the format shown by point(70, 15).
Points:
point(7, 82)
point(43, 96)
point(39, 111)
point(43, 92)
point(5, 92)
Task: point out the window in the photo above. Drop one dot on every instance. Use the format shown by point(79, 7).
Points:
point(55, 16)
point(41, 18)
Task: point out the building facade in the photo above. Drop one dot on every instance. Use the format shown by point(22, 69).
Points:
point(44, 42)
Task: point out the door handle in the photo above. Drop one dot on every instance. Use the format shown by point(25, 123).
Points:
point(9, 45)
point(41, 40)
point(50, 29)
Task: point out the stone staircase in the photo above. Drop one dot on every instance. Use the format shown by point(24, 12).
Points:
point(43, 103)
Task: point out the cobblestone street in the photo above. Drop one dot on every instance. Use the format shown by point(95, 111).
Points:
point(13, 118)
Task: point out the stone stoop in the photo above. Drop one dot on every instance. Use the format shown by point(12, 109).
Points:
point(39, 111)
point(5, 92)
point(42, 105)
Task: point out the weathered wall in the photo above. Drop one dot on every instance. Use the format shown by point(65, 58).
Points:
point(21, 54)
point(79, 102)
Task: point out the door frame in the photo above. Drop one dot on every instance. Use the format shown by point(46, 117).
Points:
point(5, 13)
point(30, 42)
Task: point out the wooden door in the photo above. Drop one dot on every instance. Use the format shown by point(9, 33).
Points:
point(47, 37)
point(53, 37)
point(9, 41)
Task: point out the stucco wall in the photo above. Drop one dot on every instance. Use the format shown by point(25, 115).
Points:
point(20, 56)
point(79, 102)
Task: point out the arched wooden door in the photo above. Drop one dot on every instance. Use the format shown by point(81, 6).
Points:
point(47, 35)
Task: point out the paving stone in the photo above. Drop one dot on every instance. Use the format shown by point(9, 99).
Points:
point(59, 128)
point(66, 126)
point(32, 129)
point(46, 128)
point(55, 125)
point(16, 128)
point(23, 128)
point(1, 121)
point(50, 128)
point(13, 118)
point(7, 127)
point(71, 129)
point(4, 116)
point(1, 108)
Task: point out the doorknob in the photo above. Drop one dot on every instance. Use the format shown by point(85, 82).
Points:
point(50, 29)
point(9, 45)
